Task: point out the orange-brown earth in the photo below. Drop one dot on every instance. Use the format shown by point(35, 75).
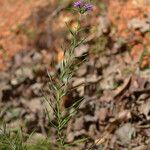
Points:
point(119, 13)
point(12, 14)
point(16, 12)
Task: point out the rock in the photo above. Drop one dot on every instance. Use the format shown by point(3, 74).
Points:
point(125, 133)
point(14, 81)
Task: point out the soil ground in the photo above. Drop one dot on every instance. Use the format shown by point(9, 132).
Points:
point(115, 114)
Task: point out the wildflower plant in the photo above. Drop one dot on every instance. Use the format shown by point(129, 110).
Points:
point(59, 88)
point(59, 85)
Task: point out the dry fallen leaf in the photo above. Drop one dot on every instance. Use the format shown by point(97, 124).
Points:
point(145, 109)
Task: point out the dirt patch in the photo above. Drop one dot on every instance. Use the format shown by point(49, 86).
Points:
point(13, 14)
point(114, 81)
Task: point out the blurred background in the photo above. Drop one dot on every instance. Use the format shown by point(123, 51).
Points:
point(116, 72)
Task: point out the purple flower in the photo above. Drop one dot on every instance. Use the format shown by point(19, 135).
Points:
point(87, 7)
point(82, 7)
point(77, 4)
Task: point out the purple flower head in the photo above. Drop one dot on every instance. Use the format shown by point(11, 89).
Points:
point(87, 7)
point(77, 4)
point(82, 6)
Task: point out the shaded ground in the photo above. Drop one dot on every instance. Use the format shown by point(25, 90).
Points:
point(116, 110)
